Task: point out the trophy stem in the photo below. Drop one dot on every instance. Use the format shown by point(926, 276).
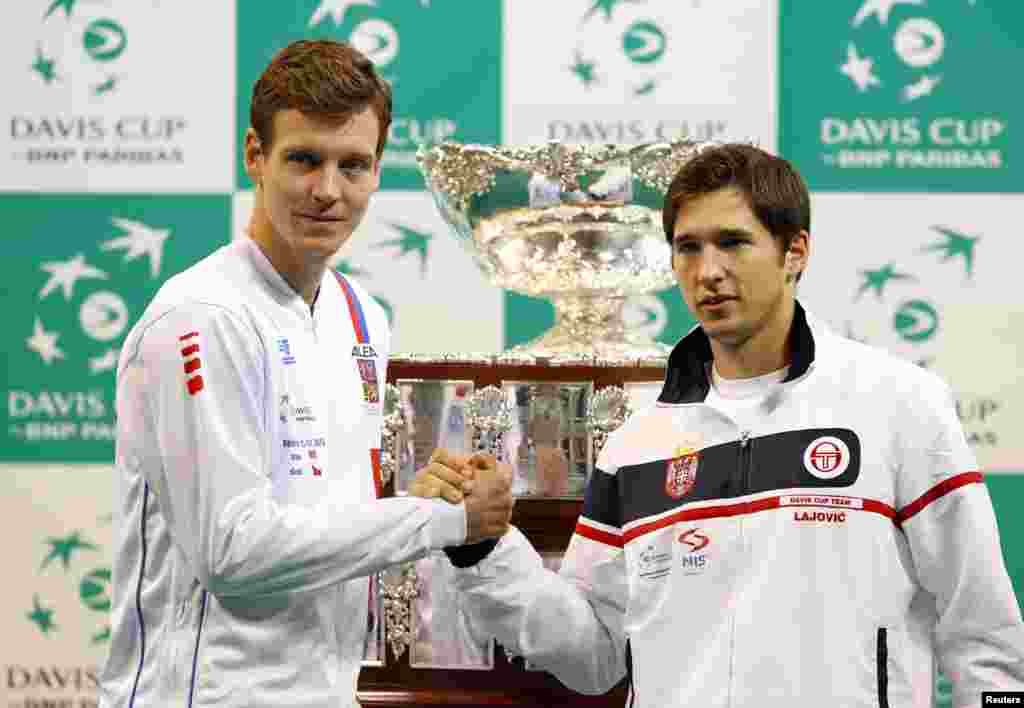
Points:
point(588, 325)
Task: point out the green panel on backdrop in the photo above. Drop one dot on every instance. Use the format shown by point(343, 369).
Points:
point(900, 97)
point(526, 318)
point(663, 313)
point(79, 271)
point(1007, 492)
point(446, 80)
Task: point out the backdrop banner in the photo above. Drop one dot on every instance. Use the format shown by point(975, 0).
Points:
point(120, 165)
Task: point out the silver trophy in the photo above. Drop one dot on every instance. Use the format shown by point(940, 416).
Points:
point(578, 224)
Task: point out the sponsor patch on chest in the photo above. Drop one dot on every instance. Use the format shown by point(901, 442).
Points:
point(696, 558)
point(368, 376)
point(364, 351)
point(284, 349)
point(826, 457)
point(654, 563)
point(306, 456)
point(681, 472)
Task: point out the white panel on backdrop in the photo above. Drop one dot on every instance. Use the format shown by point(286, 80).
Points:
point(56, 591)
point(405, 255)
point(934, 278)
point(118, 96)
point(614, 71)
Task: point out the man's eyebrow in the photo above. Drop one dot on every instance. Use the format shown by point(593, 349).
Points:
point(723, 232)
point(359, 154)
point(345, 154)
point(733, 231)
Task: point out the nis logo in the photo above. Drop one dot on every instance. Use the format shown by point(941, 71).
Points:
point(694, 560)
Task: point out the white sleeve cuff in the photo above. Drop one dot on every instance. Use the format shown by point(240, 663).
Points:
point(447, 524)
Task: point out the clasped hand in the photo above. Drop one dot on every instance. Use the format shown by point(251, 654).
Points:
point(479, 480)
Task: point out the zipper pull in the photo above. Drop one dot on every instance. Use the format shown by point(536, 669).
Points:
point(744, 438)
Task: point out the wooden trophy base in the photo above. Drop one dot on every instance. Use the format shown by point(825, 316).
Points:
point(548, 522)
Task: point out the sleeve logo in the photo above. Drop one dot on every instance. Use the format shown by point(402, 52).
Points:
point(192, 364)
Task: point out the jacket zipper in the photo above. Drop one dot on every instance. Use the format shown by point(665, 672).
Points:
point(744, 472)
point(195, 655)
point(629, 675)
point(745, 459)
point(882, 657)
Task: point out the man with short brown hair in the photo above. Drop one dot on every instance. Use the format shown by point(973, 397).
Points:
point(248, 518)
point(798, 522)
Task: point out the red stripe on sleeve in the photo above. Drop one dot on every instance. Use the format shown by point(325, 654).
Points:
point(191, 365)
point(190, 350)
point(939, 490)
point(609, 539)
point(188, 336)
point(378, 482)
point(195, 385)
point(880, 508)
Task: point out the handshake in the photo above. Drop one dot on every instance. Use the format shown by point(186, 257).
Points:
point(479, 480)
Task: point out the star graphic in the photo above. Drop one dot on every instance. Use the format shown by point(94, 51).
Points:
point(42, 617)
point(859, 69)
point(956, 244)
point(44, 344)
point(66, 273)
point(336, 9)
point(882, 8)
point(345, 267)
point(106, 86)
point(44, 66)
point(106, 362)
point(63, 548)
point(141, 240)
point(645, 88)
point(584, 70)
point(67, 5)
point(877, 279)
point(410, 241)
point(923, 87)
point(607, 6)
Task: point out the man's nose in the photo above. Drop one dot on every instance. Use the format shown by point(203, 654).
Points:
point(327, 185)
point(712, 265)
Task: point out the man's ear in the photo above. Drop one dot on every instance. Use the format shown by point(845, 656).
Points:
point(798, 254)
point(254, 157)
point(376, 174)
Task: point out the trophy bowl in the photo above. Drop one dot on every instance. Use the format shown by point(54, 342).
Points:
point(577, 224)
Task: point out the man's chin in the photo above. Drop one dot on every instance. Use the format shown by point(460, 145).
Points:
point(723, 330)
point(324, 243)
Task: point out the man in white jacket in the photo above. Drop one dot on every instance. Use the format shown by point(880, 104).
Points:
point(249, 421)
point(798, 522)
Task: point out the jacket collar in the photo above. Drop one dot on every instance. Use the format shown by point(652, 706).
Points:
point(686, 380)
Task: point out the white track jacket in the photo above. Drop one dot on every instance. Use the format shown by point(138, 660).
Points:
point(824, 554)
point(247, 519)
